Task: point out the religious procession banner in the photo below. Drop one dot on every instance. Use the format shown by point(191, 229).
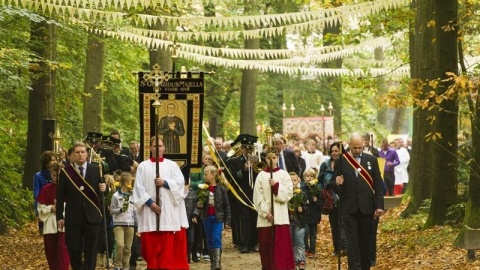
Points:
point(308, 127)
point(180, 114)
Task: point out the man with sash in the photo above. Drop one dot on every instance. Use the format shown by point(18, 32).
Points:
point(79, 188)
point(361, 201)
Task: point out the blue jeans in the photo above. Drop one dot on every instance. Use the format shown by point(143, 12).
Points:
point(213, 232)
point(311, 237)
point(298, 235)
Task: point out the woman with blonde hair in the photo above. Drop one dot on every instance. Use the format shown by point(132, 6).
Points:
point(214, 212)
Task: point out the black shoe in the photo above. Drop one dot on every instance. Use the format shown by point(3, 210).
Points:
point(253, 249)
point(244, 250)
point(195, 258)
point(344, 252)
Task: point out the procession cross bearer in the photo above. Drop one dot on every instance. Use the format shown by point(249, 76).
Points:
point(167, 247)
point(273, 189)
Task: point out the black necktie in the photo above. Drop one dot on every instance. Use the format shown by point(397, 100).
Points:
point(81, 170)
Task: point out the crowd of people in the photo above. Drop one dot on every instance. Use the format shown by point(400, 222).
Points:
point(94, 202)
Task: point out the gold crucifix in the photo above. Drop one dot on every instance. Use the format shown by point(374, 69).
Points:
point(156, 77)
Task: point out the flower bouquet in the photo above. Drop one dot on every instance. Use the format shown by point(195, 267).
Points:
point(296, 201)
point(126, 199)
point(314, 189)
point(202, 194)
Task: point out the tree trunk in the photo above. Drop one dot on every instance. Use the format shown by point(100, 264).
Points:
point(249, 82)
point(41, 98)
point(472, 206)
point(382, 88)
point(421, 62)
point(444, 192)
point(161, 56)
point(398, 120)
point(93, 92)
point(334, 83)
point(248, 94)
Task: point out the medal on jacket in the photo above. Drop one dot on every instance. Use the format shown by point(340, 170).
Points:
point(82, 188)
point(369, 167)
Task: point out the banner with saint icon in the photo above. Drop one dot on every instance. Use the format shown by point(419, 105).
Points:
point(180, 113)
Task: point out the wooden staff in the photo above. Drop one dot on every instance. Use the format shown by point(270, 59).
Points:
point(102, 196)
point(339, 234)
point(156, 105)
point(272, 212)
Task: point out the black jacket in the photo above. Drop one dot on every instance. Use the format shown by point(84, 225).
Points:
point(291, 161)
point(313, 211)
point(190, 203)
point(356, 194)
point(78, 209)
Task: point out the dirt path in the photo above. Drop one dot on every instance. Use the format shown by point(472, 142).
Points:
point(23, 250)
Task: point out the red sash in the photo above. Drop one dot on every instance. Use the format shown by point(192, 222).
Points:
point(361, 171)
point(83, 187)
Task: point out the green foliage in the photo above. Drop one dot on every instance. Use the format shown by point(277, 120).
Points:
point(413, 223)
point(121, 107)
point(14, 197)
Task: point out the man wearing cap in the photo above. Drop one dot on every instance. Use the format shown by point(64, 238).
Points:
point(94, 139)
point(123, 149)
point(79, 188)
point(243, 174)
point(124, 163)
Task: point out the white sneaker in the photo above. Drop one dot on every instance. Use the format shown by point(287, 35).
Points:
point(206, 257)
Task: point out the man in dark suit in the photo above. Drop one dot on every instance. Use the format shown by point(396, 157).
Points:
point(286, 157)
point(80, 186)
point(241, 169)
point(220, 153)
point(134, 152)
point(361, 198)
point(368, 145)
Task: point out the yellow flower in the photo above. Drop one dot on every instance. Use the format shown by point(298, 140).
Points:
point(129, 187)
point(313, 182)
point(202, 186)
point(297, 191)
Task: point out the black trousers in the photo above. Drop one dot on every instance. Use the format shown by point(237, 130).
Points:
point(389, 178)
point(82, 243)
point(337, 231)
point(248, 227)
point(136, 248)
point(359, 233)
